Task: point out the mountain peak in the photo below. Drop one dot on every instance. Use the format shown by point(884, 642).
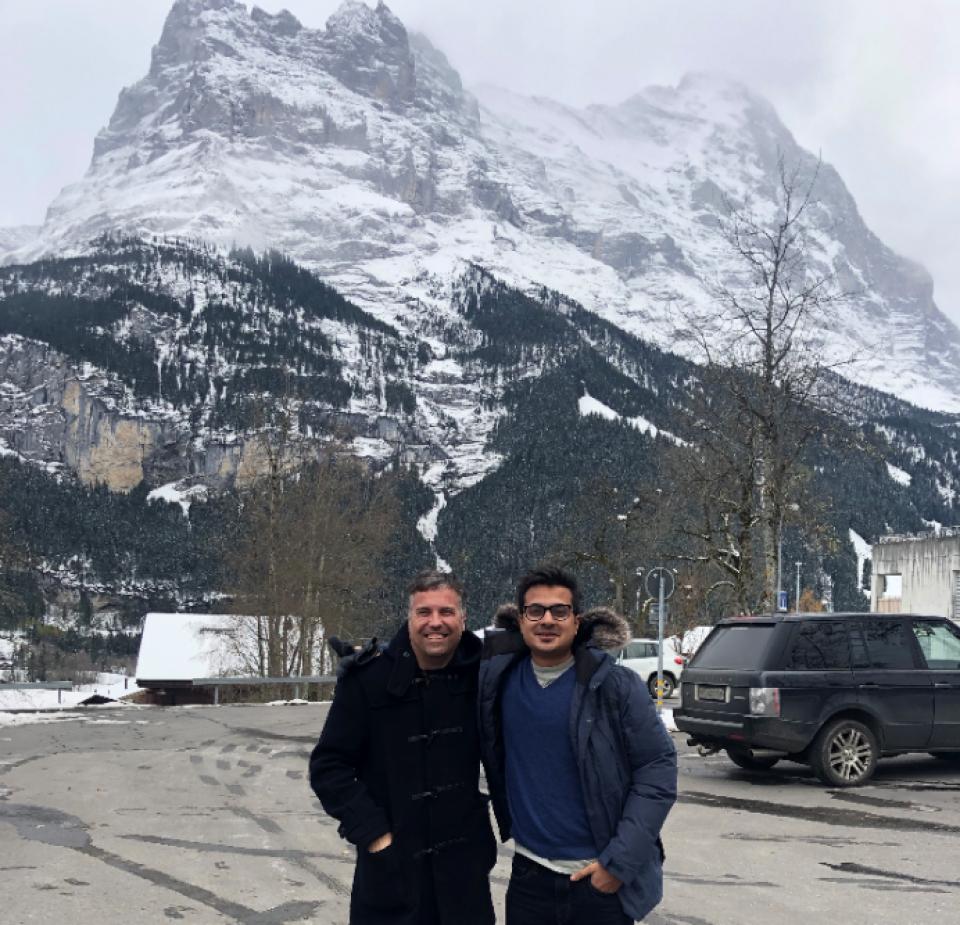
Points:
point(370, 52)
point(355, 149)
point(184, 30)
point(282, 23)
point(378, 25)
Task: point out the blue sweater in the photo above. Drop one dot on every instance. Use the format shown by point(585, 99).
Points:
point(542, 781)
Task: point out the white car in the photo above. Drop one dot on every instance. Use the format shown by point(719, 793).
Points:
point(640, 655)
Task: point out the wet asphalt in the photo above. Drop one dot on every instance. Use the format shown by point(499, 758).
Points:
point(205, 815)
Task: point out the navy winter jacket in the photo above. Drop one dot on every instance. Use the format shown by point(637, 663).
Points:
point(626, 758)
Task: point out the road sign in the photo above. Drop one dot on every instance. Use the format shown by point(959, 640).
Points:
point(653, 619)
point(656, 577)
point(782, 601)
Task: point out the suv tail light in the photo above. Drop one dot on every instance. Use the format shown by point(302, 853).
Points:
point(765, 701)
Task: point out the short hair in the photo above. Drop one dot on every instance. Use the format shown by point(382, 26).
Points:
point(548, 575)
point(431, 579)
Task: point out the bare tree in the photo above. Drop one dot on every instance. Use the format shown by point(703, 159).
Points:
point(616, 532)
point(308, 559)
point(765, 387)
point(15, 567)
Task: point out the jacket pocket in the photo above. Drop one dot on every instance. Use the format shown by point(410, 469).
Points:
point(379, 881)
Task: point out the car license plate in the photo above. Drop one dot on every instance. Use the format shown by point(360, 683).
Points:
point(707, 692)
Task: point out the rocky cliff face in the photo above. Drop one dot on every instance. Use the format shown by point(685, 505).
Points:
point(356, 149)
point(160, 362)
point(55, 412)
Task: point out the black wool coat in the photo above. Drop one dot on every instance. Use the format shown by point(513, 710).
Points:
point(400, 753)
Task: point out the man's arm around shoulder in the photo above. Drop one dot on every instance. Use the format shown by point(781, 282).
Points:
point(335, 767)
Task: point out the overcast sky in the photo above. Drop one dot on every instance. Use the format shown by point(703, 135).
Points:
point(872, 84)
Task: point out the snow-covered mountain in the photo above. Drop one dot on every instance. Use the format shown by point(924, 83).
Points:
point(143, 361)
point(356, 150)
point(17, 236)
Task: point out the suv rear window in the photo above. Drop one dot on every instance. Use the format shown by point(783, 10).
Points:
point(735, 647)
point(819, 645)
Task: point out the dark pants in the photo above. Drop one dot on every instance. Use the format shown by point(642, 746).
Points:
point(537, 896)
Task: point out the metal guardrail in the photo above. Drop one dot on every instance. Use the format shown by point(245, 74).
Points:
point(295, 682)
point(58, 686)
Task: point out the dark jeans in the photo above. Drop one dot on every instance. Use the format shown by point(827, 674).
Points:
point(537, 896)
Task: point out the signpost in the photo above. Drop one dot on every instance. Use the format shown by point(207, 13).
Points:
point(782, 601)
point(653, 617)
point(660, 585)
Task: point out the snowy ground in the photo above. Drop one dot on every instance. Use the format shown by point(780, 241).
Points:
point(666, 714)
point(38, 706)
point(205, 815)
point(50, 705)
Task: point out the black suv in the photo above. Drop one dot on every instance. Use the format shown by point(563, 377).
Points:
point(836, 691)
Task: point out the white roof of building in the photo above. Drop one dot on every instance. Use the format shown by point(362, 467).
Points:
point(187, 646)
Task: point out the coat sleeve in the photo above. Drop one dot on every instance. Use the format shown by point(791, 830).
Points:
point(653, 783)
point(335, 767)
point(491, 744)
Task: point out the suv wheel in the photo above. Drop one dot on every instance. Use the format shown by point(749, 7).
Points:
point(844, 753)
point(668, 685)
point(748, 762)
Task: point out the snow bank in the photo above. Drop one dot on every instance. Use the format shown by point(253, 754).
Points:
point(666, 715)
point(900, 476)
point(24, 719)
point(112, 686)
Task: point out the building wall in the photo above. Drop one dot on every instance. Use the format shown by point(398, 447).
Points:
point(929, 569)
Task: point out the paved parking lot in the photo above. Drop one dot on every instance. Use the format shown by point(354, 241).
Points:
point(204, 816)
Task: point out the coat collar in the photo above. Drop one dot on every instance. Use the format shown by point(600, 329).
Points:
point(405, 668)
point(591, 664)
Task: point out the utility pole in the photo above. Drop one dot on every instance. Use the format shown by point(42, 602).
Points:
point(797, 605)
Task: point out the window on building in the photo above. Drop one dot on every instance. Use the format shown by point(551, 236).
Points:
point(891, 586)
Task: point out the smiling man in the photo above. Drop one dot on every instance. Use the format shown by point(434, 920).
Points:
point(581, 770)
point(398, 765)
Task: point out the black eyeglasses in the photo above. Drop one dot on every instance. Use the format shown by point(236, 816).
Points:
point(557, 611)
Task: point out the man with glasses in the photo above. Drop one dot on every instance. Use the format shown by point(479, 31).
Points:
point(581, 771)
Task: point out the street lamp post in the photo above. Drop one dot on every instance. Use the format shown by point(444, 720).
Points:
point(797, 606)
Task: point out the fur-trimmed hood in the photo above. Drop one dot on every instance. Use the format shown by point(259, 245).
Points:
point(601, 626)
